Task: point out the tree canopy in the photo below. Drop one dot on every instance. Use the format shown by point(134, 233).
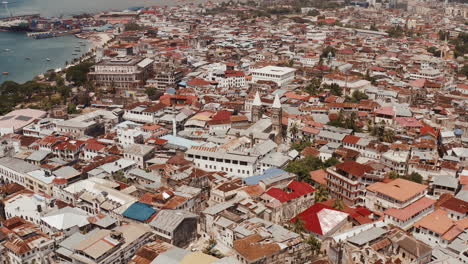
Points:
point(302, 167)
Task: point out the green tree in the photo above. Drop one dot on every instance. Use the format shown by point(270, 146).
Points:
point(389, 136)
point(300, 145)
point(59, 81)
point(331, 162)
point(78, 74)
point(302, 167)
point(357, 96)
point(335, 89)
point(434, 51)
point(396, 32)
point(132, 26)
point(394, 175)
point(314, 244)
point(294, 129)
point(338, 204)
point(321, 194)
point(298, 226)
point(71, 109)
point(327, 50)
point(313, 88)
point(313, 13)
point(465, 70)
point(415, 177)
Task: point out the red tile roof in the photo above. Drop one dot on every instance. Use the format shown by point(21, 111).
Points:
point(455, 204)
point(319, 176)
point(404, 214)
point(354, 168)
point(350, 139)
point(310, 216)
point(298, 189)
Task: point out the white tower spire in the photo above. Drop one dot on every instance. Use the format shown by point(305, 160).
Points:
point(257, 101)
point(276, 103)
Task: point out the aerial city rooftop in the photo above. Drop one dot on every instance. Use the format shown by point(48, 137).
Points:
point(243, 133)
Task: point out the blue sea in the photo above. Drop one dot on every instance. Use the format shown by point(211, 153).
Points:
point(23, 57)
point(16, 47)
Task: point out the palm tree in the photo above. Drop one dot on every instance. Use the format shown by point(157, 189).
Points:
point(338, 204)
point(294, 129)
point(298, 226)
point(314, 244)
point(388, 136)
point(321, 194)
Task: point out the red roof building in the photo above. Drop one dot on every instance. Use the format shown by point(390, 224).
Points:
point(322, 220)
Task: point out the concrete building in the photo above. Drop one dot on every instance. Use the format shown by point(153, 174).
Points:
point(25, 242)
point(124, 74)
point(398, 193)
point(263, 243)
point(16, 120)
point(91, 124)
point(349, 179)
point(279, 75)
point(103, 246)
point(176, 227)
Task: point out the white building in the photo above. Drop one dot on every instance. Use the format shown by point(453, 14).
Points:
point(213, 159)
point(279, 75)
point(28, 206)
point(396, 160)
point(88, 124)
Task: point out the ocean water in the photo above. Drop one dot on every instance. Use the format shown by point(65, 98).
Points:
point(49, 8)
point(58, 49)
point(20, 47)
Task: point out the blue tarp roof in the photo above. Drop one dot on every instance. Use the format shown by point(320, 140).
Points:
point(171, 91)
point(139, 211)
point(253, 180)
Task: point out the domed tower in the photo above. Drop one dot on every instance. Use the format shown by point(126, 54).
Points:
point(276, 119)
point(256, 111)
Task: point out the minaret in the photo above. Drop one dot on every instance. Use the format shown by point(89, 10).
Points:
point(256, 110)
point(276, 119)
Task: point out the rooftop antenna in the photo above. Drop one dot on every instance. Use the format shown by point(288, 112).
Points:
point(5, 3)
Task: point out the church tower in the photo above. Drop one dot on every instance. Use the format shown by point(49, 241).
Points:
point(276, 119)
point(256, 110)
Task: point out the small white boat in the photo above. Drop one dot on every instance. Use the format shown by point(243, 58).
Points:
point(7, 50)
point(47, 59)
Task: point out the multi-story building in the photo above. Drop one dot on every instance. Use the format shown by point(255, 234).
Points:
point(90, 124)
point(396, 160)
point(285, 203)
point(13, 170)
point(103, 246)
point(123, 74)
point(166, 79)
point(349, 179)
point(143, 112)
point(215, 159)
point(264, 244)
point(279, 75)
point(398, 193)
point(405, 217)
point(139, 153)
point(25, 242)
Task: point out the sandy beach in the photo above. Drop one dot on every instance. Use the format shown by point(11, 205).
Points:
point(98, 39)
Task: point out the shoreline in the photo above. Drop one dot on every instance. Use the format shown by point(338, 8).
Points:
point(97, 39)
